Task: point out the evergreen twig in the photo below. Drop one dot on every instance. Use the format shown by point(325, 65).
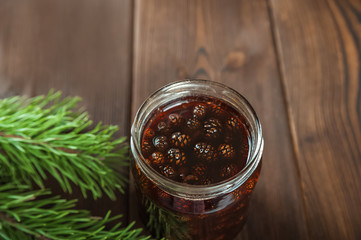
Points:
point(46, 135)
point(164, 223)
point(23, 215)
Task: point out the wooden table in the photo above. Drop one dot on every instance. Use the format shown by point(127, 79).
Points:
point(297, 61)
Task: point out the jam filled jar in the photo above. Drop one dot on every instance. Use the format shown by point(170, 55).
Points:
point(197, 148)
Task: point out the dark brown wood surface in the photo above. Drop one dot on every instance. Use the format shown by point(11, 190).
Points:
point(297, 62)
point(198, 41)
point(79, 47)
point(321, 74)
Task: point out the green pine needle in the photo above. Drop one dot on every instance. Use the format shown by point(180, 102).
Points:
point(23, 216)
point(46, 135)
point(164, 223)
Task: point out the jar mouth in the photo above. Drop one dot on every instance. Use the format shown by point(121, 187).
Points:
point(186, 88)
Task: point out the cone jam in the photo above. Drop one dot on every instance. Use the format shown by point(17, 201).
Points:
point(198, 140)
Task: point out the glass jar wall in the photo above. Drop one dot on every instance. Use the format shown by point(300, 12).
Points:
point(178, 210)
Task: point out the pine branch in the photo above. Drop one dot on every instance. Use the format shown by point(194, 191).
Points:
point(160, 222)
point(47, 135)
point(25, 214)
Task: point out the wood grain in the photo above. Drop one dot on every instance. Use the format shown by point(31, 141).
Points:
point(10, 71)
point(80, 47)
point(231, 42)
point(319, 46)
point(297, 62)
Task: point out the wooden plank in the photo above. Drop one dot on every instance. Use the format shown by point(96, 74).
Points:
point(231, 42)
point(80, 47)
point(10, 80)
point(319, 45)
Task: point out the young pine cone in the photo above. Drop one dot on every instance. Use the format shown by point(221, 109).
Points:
point(216, 109)
point(200, 111)
point(146, 147)
point(174, 119)
point(199, 170)
point(212, 128)
point(179, 140)
point(193, 124)
point(149, 133)
point(168, 171)
point(160, 143)
point(176, 156)
point(163, 196)
point(157, 158)
point(163, 128)
point(233, 124)
point(205, 151)
point(226, 151)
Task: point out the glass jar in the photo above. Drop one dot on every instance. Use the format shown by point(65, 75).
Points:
point(181, 211)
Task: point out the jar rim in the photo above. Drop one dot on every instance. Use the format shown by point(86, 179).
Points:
point(194, 192)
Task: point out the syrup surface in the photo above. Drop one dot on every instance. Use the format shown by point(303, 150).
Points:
point(196, 140)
